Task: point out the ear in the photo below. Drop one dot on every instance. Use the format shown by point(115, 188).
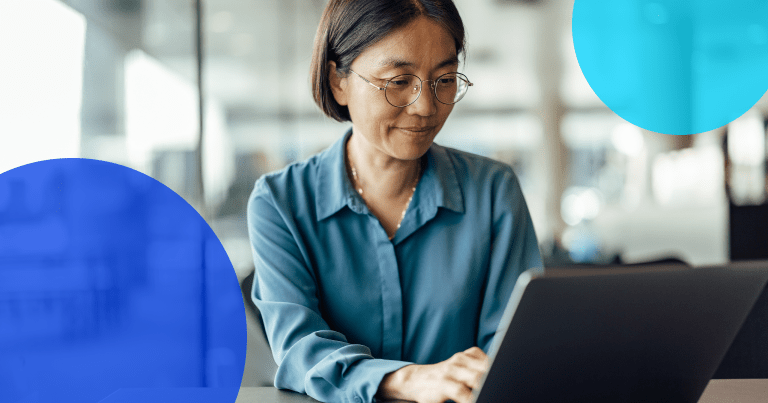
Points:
point(338, 84)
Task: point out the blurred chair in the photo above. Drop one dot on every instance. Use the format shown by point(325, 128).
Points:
point(260, 366)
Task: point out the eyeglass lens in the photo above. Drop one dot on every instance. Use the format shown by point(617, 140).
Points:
point(403, 90)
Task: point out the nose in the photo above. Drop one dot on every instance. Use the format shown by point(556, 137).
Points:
point(426, 104)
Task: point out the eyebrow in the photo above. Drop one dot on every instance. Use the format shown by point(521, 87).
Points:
point(396, 62)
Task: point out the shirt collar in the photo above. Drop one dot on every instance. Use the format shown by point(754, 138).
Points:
point(334, 191)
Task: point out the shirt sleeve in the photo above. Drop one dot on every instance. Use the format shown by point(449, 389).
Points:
point(514, 249)
point(311, 358)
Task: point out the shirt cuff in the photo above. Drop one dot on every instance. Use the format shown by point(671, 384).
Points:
point(371, 372)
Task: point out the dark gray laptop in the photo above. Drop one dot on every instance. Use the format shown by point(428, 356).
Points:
point(648, 334)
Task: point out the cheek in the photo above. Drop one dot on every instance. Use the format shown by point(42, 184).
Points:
point(443, 111)
point(370, 109)
point(360, 102)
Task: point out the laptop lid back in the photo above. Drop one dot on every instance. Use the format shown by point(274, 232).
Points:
point(623, 335)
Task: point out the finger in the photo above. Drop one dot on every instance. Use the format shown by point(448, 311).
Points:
point(475, 363)
point(480, 358)
point(476, 352)
point(466, 375)
point(458, 392)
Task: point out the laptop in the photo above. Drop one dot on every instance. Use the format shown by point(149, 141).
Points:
point(644, 334)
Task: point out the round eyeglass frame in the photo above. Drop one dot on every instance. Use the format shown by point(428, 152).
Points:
point(421, 86)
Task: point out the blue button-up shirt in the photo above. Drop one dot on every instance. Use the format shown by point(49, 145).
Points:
point(343, 305)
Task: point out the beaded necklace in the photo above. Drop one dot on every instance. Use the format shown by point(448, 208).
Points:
point(359, 188)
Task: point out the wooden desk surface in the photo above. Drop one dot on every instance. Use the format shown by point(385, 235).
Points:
point(718, 391)
point(736, 391)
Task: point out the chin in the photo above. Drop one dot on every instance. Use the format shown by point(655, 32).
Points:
point(412, 151)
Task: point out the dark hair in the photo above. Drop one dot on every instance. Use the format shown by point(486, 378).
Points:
point(348, 27)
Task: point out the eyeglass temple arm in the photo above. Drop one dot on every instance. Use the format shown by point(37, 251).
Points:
point(366, 80)
point(375, 86)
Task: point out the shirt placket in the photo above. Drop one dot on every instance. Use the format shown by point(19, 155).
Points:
point(391, 297)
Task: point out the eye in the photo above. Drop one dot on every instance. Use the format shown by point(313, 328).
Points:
point(403, 82)
point(400, 82)
point(446, 80)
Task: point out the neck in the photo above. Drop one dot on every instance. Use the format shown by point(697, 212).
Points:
point(381, 175)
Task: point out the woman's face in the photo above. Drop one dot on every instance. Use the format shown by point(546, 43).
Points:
point(422, 48)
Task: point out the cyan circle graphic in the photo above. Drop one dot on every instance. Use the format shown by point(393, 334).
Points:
point(674, 66)
point(112, 289)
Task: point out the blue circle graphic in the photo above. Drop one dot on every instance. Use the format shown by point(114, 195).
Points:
point(674, 66)
point(112, 289)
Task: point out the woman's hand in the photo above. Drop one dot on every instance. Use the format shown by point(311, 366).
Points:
point(452, 379)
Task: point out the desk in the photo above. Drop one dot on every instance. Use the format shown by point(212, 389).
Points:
point(718, 391)
point(735, 391)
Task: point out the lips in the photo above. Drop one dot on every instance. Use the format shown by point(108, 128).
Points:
point(417, 129)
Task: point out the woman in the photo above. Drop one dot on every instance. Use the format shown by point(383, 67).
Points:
point(383, 263)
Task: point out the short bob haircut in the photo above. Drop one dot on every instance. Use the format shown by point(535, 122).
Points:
point(348, 27)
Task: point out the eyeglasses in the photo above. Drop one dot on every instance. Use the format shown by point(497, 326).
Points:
point(405, 89)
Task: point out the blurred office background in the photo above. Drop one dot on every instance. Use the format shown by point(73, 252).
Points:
point(117, 80)
point(137, 82)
